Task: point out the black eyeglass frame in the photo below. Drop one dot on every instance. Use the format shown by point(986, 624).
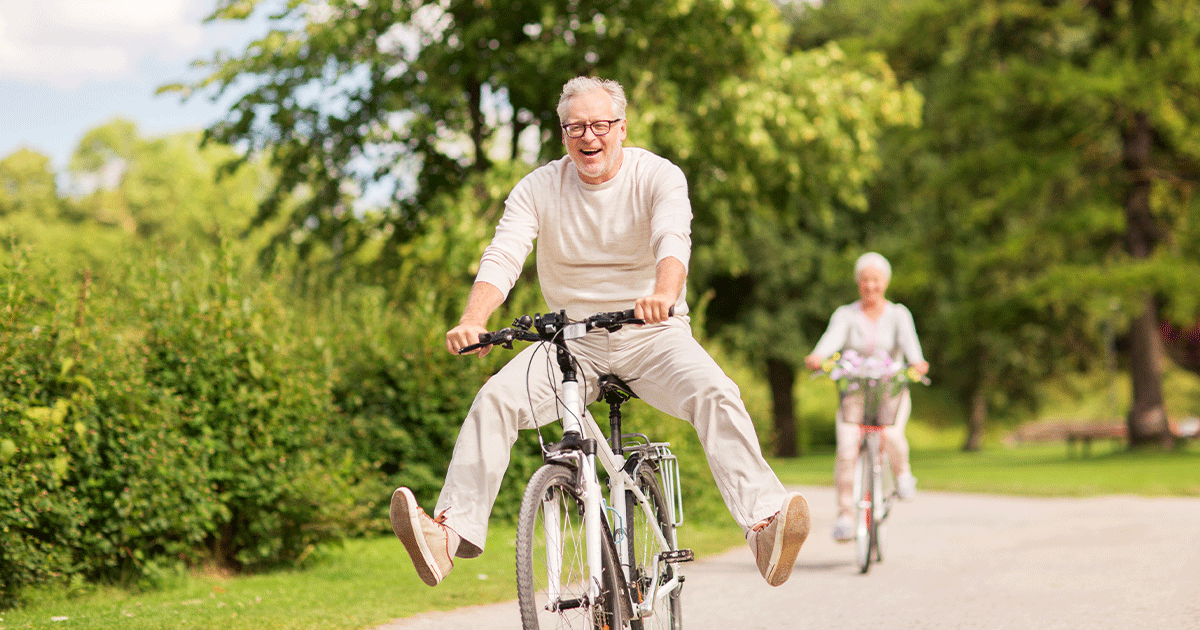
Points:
point(586, 126)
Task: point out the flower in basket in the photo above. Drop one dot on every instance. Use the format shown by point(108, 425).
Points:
point(853, 371)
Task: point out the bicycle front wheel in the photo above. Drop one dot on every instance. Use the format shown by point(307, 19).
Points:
point(644, 550)
point(864, 525)
point(552, 562)
point(885, 491)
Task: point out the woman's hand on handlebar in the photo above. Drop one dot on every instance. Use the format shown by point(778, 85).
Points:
point(812, 362)
point(654, 308)
point(464, 335)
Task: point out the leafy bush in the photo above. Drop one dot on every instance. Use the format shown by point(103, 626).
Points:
point(94, 484)
point(403, 397)
point(256, 410)
point(158, 421)
point(32, 435)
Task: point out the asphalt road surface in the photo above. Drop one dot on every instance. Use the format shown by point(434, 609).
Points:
point(952, 561)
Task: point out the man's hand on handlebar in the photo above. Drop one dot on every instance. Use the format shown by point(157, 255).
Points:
point(469, 338)
point(654, 308)
point(464, 335)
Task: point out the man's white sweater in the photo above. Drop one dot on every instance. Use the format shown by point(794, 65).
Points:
point(598, 246)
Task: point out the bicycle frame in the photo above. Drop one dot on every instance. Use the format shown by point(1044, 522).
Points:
point(575, 420)
point(872, 442)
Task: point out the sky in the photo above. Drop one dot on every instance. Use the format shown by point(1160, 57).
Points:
point(68, 66)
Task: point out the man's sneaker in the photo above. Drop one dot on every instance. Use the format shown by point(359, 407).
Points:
point(429, 542)
point(843, 529)
point(777, 540)
point(906, 486)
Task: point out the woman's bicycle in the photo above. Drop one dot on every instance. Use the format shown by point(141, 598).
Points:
point(879, 382)
point(583, 561)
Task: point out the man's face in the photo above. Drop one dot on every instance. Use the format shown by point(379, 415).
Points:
point(598, 158)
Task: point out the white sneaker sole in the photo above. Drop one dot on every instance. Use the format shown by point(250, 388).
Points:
point(405, 515)
point(795, 521)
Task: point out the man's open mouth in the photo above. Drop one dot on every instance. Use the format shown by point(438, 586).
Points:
point(590, 152)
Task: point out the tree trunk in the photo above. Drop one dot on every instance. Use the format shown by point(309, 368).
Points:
point(782, 377)
point(478, 126)
point(977, 421)
point(1147, 418)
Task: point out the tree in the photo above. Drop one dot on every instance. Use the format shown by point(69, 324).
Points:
point(725, 109)
point(1055, 172)
point(37, 218)
point(1150, 59)
point(27, 186)
point(781, 201)
point(165, 189)
point(408, 99)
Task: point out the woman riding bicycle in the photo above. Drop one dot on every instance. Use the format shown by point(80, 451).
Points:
point(872, 325)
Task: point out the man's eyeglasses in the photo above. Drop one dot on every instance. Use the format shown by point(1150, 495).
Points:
point(600, 127)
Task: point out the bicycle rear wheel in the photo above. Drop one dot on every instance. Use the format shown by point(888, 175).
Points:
point(552, 563)
point(864, 524)
point(644, 552)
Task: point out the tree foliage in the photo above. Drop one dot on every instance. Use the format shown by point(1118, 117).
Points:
point(27, 186)
point(1035, 216)
point(162, 190)
point(412, 97)
point(780, 192)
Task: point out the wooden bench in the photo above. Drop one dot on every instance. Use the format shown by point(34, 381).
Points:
point(1084, 433)
point(1081, 433)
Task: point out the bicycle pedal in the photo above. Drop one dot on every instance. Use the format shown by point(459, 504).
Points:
point(676, 556)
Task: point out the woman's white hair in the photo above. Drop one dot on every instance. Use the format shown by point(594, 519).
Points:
point(872, 259)
point(586, 85)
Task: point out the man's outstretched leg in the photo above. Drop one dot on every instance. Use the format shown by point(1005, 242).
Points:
point(429, 542)
point(777, 540)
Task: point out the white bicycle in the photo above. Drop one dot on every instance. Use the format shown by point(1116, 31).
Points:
point(584, 561)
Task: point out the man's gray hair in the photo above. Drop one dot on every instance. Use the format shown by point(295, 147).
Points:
point(872, 259)
point(580, 86)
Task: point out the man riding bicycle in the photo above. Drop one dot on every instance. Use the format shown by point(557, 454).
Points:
point(612, 227)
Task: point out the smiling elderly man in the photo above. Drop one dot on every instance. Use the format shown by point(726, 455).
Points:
point(612, 226)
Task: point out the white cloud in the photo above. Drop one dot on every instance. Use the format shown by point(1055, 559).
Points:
point(69, 43)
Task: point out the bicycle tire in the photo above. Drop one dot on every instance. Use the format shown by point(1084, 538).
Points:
point(887, 490)
point(864, 525)
point(552, 488)
point(643, 550)
point(877, 506)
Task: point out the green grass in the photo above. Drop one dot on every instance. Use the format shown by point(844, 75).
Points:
point(1039, 470)
point(362, 585)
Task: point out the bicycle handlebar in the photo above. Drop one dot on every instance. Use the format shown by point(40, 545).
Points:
point(553, 326)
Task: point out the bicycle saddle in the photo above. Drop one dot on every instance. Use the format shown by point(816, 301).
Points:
point(611, 384)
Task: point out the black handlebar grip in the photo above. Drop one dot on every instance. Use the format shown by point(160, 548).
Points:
point(629, 313)
point(485, 338)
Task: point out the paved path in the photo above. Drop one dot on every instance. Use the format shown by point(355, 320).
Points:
point(953, 561)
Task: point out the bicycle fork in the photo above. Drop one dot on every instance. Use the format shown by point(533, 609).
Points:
point(590, 493)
